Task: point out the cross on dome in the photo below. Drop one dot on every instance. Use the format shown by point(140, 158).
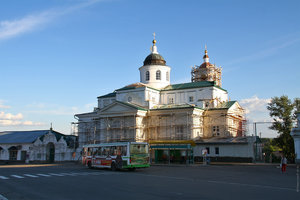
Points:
point(205, 57)
point(154, 48)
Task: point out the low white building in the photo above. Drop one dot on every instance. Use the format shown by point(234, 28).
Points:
point(37, 145)
point(296, 135)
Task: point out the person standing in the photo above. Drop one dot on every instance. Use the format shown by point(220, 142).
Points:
point(283, 163)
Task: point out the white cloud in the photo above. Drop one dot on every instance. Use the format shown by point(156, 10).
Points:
point(9, 116)
point(19, 123)
point(254, 104)
point(256, 111)
point(8, 119)
point(13, 28)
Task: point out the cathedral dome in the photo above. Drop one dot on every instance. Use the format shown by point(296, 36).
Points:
point(205, 65)
point(154, 59)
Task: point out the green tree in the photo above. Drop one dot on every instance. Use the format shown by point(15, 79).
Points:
point(282, 110)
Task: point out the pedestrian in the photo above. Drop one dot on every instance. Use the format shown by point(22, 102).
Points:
point(283, 163)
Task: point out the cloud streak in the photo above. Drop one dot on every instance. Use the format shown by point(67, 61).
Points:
point(268, 51)
point(29, 23)
point(2, 104)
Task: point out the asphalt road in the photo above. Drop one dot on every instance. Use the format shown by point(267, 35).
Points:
point(71, 181)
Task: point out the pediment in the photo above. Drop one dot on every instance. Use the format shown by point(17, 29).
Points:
point(118, 107)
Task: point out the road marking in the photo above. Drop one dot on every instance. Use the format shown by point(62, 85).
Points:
point(56, 174)
point(29, 175)
point(3, 177)
point(252, 185)
point(16, 176)
point(2, 197)
point(43, 175)
point(68, 174)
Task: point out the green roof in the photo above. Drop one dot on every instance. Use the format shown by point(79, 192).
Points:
point(132, 105)
point(224, 105)
point(113, 94)
point(173, 106)
point(182, 86)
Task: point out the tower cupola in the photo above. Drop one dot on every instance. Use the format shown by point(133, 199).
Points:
point(155, 73)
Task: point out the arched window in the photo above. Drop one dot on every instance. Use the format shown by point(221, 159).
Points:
point(167, 76)
point(147, 76)
point(158, 77)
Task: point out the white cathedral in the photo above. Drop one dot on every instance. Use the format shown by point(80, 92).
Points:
point(173, 118)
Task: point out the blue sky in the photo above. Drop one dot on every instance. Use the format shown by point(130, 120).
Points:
point(57, 56)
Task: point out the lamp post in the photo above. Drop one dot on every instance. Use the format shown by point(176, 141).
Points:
point(255, 131)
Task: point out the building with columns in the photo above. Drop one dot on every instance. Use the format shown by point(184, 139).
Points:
point(173, 118)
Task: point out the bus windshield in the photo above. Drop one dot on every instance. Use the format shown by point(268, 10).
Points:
point(138, 148)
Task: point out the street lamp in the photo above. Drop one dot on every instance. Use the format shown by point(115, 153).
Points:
point(255, 131)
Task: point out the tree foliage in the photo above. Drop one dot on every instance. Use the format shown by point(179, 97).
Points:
point(282, 110)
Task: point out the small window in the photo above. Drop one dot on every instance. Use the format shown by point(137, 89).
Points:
point(158, 76)
point(147, 76)
point(206, 104)
point(129, 99)
point(171, 100)
point(207, 150)
point(167, 76)
point(216, 130)
point(191, 99)
point(217, 150)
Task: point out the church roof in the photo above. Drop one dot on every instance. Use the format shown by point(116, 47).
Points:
point(174, 106)
point(154, 59)
point(113, 94)
point(134, 86)
point(14, 137)
point(192, 85)
point(224, 105)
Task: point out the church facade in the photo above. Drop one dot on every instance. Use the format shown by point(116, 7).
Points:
point(172, 118)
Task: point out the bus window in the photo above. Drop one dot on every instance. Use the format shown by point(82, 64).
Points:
point(99, 151)
point(124, 150)
point(89, 153)
point(138, 148)
point(113, 151)
point(95, 151)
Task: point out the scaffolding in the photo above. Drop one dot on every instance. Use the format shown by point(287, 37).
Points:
point(208, 73)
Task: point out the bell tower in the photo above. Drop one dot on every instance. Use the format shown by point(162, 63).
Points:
point(207, 71)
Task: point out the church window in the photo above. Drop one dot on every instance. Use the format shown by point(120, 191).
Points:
point(167, 76)
point(129, 99)
point(191, 99)
point(207, 150)
point(158, 75)
point(147, 76)
point(217, 150)
point(216, 131)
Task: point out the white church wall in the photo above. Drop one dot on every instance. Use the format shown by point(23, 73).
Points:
point(103, 102)
point(136, 96)
point(197, 96)
point(152, 82)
